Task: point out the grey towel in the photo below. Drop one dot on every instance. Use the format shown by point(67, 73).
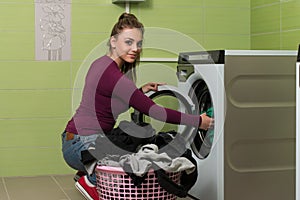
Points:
point(141, 162)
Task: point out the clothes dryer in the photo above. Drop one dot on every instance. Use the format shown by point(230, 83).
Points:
point(249, 154)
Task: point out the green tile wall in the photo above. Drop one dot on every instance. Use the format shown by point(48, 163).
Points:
point(31, 147)
point(27, 75)
point(20, 19)
point(36, 96)
point(266, 19)
point(255, 3)
point(275, 24)
point(204, 20)
point(290, 39)
point(266, 41)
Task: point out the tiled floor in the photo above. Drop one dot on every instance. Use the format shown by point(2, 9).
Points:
point(60, 187)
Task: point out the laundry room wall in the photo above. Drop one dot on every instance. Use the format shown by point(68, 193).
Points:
point(275, 24)
point(36, 96)
point(215, 24)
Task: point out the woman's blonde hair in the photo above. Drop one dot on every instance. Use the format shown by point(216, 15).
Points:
point(127, 20)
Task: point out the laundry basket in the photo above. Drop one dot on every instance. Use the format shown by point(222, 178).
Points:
point(114, 184)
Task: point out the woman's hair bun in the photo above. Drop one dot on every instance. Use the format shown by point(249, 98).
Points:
point(127, 16)
point(126, 20)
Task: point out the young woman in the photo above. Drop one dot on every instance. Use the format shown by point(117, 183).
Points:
point(109, 91)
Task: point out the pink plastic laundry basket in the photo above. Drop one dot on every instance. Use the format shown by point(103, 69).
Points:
point(114, 184)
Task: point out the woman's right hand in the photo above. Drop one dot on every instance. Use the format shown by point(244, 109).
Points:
point(152, 86)
point(206, 122)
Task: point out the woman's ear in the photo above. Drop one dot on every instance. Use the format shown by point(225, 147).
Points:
point(113, 41)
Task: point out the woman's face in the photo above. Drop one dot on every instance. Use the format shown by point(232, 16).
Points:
point(127, 45)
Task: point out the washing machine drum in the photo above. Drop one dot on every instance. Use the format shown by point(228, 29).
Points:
point(198, 101)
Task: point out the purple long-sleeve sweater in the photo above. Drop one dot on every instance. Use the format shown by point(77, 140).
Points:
point(108, 93)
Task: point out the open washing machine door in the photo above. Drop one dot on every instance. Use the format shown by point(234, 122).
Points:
point(203, 139)
point(196, 102)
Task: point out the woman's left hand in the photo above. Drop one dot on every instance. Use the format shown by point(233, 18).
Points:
point(152, 86)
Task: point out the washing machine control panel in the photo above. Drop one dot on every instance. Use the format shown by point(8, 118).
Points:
point(202, 57)
point(184, 72)
point(186, 61)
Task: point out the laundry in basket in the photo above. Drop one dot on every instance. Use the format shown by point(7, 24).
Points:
point(142, 176)
point(115, 184)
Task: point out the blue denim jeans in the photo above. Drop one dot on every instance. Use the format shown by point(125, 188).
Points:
point(72, 152)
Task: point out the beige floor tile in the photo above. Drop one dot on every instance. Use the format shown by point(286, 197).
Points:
point(3, 193)
point(33, 188)
point(67, 183)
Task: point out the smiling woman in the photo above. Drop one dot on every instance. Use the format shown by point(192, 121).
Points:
point(129, 43)
point(110, 90)
point(126, 47)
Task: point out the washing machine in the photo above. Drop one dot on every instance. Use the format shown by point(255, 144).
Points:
point(250, 152)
